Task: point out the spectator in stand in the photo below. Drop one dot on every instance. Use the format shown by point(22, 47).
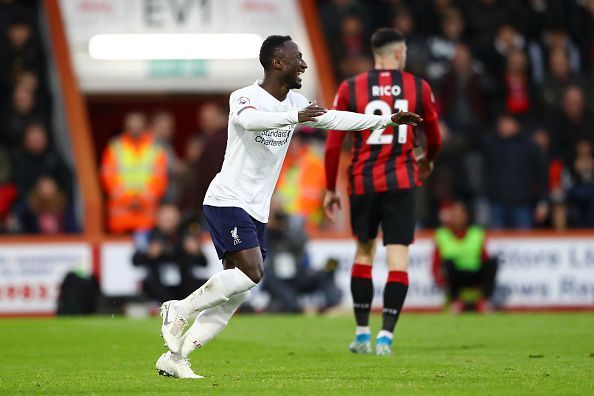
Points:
point(461, 260)
point(580, 192)
point(8, 191)
point(170, 252)
point(570, 124)
point(28, 80)
point(462, 96)
point(554, 169)
point(36, 159)
point(465, 113)
point(22, 53)
point(517, 177)
point(47, 210)
point(289, 275)
point(443, 46)
point(213, 129)
point(583, 29)
point(417, 53)
point(194, 148)
point(350, 48)
point(332, 12)
point(518, 91)
point(485, 17)
point(495, 56)
point(16, 119)
point(163, 128)
point(302, 183)
point(553, 38)
point(429, 14)
point(134, 175)
point(557, 80)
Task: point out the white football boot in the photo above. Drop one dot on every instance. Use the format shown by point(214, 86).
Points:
point(173, 326)
point(178, 368)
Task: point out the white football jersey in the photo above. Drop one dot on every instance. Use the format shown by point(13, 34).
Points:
point(257, 145)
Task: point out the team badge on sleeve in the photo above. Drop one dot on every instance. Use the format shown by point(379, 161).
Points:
point(243, 101)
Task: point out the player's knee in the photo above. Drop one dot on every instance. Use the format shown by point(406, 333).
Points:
point(254, 272)
point(365, 252)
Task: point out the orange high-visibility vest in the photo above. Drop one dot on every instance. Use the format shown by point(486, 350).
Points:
point(301, 186)
point(134, 174)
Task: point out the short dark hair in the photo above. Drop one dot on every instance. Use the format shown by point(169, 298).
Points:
point(269, 47)
point(383, 36)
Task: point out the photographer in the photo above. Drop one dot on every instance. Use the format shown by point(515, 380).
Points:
point(169, 253)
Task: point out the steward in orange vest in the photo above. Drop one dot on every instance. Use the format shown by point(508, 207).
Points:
point(134, 174)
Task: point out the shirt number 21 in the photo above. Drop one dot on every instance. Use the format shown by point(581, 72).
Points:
point(377, 136)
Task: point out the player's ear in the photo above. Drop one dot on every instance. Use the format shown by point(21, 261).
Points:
point(277, 63)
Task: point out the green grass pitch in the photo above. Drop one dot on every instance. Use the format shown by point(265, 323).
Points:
point(547, 354)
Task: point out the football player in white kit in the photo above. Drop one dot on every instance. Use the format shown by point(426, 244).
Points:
point(262, 118)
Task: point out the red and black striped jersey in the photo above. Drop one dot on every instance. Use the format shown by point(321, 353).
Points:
point(382, 159)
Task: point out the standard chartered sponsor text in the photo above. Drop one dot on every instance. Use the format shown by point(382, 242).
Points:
point(274, 133)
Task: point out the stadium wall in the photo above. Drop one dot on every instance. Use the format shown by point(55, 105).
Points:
point(536, 272)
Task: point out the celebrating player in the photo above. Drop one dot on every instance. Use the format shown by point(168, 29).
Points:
point(387, 166)
point(262, 118)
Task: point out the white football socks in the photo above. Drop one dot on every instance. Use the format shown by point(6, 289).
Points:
point(210, 323)
point(385, 333)
point(216, 290)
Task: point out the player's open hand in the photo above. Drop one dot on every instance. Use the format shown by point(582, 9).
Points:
point(331, 203)
point(311, 112)
point(406, 118)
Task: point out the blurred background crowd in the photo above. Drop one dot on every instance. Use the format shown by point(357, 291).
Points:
point(36, 182)
point(514, 83)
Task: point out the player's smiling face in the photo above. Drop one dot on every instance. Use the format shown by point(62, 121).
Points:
point(294, 65)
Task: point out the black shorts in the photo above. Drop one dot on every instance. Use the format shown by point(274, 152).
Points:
point(394, 210)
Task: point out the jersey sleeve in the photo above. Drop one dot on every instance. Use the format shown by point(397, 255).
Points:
point(342, 119)
point(335, 138)
point(244, 111)
point(349, 121)
point(239, 101)
point(430, 121)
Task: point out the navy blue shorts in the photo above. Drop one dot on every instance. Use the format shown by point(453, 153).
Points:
point(233, 229)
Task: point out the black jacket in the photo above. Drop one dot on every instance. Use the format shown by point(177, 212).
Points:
point(516, 172)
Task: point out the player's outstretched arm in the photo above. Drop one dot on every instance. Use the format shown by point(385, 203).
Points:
point(310, 113)
point(252, 119)
point(349, 121)
point(258, 120)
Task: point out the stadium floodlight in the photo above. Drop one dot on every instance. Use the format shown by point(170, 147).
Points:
point(175, 46)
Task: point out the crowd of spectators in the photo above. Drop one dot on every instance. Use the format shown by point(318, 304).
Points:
point(36, 182)
point(514, 82)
